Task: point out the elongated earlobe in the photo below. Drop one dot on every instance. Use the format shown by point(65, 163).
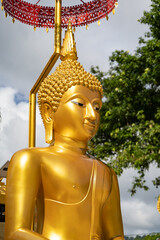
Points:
point(49, 133)
point(47, 115)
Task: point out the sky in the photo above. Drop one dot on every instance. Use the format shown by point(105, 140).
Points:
point(23, 55)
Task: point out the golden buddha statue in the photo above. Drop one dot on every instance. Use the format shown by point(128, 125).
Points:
point(77, 196)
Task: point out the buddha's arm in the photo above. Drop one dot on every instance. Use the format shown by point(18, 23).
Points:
point(111, 216)
point(25, 234)
point(23, 181)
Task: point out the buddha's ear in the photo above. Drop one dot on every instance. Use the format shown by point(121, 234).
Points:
point(47, 115)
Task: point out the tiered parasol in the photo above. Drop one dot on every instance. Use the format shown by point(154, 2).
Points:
point(43, 16)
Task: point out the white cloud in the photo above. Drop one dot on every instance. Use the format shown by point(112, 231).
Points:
point(14, 124)
point(140, 214)
point(140, 217)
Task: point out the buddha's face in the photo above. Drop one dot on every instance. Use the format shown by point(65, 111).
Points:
point(77, 116)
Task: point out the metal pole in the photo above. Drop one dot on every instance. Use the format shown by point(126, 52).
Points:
point(44, 74)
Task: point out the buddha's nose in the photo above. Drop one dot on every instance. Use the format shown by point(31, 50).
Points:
point(90, 113)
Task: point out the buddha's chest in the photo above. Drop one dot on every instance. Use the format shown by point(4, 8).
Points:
point(66, 180)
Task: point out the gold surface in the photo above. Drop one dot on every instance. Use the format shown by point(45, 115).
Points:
point(68, 49)
point(158, 204)
point(75, 196)
point(69, 73)
point(45, 72)
point(80, 194)
point(2, 192)
point(57, 35)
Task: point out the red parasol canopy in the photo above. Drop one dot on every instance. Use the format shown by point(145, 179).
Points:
point(43, 16)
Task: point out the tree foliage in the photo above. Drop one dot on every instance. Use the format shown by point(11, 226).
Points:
point(129, 134)
point(153, 236)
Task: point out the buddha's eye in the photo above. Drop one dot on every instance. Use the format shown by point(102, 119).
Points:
point(78, 101)
point(96, 106)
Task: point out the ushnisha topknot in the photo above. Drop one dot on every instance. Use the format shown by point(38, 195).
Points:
point(69, 73)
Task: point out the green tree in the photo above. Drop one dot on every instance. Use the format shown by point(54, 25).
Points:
point(129, 134)
point(152, 237)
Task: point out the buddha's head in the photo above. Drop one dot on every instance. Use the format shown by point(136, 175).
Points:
point(70, 98)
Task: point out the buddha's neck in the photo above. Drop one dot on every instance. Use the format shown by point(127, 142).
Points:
point(70, 144)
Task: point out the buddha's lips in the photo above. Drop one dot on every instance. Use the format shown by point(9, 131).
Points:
point(91, 125)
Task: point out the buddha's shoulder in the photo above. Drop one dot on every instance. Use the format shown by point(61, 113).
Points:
point(104, 178)
point(107, 170)
point(28, 157)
